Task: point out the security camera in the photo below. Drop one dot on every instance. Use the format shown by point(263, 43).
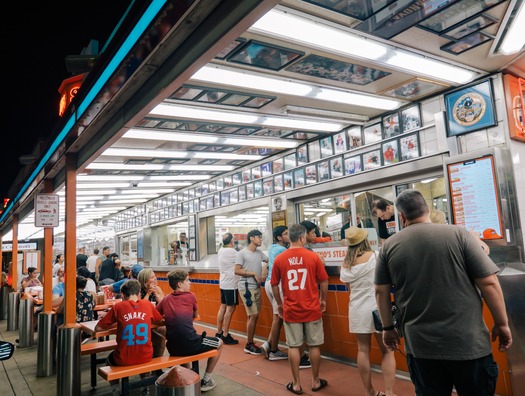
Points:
point(134, 184)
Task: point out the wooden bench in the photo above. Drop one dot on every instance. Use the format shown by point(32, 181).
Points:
point(110, 373)
point(92, 349)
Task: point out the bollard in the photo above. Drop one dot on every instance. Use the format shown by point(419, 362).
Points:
point(26, 331)
point(12, 311)
point(45, 358)
point(4, 297)
point(68, 360)
point(178, 381)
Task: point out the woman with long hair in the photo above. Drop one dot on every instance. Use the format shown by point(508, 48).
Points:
point(357, 272)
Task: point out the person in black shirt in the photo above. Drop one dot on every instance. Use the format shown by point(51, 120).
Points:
point(82, 257)
point(386, 220)
point(109, 270)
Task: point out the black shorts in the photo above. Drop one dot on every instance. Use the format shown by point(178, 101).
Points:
point(194, 348)
point(229, 297)
point(469, 377)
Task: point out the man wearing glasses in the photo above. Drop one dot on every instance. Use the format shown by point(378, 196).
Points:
point(249, 266)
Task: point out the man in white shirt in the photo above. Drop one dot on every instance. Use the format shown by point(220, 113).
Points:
point(92, 262)
point(228, 282)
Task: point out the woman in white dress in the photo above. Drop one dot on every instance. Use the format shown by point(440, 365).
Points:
point(357, 272)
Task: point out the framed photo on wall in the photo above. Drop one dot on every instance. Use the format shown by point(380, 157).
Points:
point(466, 43)
point(266, 169)
point(249, 191)
point(410, 118)
point(258, 188)
point(277, 165)
point(323, 170)
point(391, 125)
point(242, 193)
point(311, 174)
point(314, 151)
point(326, 146)
point(470, 26)
point(336, 167)
point(278, 184)
point(353, 165)
point(302, 155)
point(256, 172)
point(246, 176)
point(409, 147)
point(390, 152)
point(340, 145)
point(355, 138)
point(372, 133)
point(290, 161)
point(298, 178)
point(268, 186)
point(372, 160)
point(470, 108)
point(288, 180)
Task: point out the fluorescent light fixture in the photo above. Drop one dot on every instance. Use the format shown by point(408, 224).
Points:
point(304, 29)
point(514, 37)
point(314, 33)
point(280, 143)
point(165, 184)
point(228, 156)
point(101, 185)
point(245, 79)
point(122, 201)
point(244, 141)
point(428, 180)
point(167, 136)
point(180, 177)
point(312, 112)
point(194, 113)
point(431, 67)
point(121, 152)
point(90, 178)
point(195, 168)
point(133, 190)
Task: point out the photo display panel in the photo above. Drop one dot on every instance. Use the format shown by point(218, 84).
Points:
point(474, 196)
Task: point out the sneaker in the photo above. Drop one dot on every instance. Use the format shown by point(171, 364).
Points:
point(208, 385)
point(266, 349)
point(278, 355)
point(305, 362)
point(219, 335)
point(252, 349)
point(144, 391)
point(229, 340)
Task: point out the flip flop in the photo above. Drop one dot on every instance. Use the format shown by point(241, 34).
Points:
point(322, 383)
point(379, 393)
point(289, 386)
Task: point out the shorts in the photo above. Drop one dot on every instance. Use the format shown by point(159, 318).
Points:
point(269, 293)
point(194, 348)
point(469, 377)
point(229, 297)
point(311, 333)
point(110, 359)
point(256, 301)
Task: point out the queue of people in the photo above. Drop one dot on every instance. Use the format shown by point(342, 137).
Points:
point(439, 276)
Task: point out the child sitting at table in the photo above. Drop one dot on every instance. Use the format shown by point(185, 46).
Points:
point(179, 309)
point(133, 318)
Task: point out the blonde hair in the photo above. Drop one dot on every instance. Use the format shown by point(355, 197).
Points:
point(354, 252)
point(144, 276)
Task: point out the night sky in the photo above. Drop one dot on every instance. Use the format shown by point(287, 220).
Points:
point(36, 38)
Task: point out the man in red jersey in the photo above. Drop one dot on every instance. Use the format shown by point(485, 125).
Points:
point(302, 276)
point(133, 317)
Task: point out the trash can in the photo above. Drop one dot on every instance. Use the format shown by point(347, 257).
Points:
point(178, 381)
point(25, 328)
point(12, 311)
point(4, 297)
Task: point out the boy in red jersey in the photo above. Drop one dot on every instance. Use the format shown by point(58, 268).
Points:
point(304, 283)
point(133, 318)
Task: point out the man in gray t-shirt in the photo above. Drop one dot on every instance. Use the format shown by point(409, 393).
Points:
point(249, 266)
point(438, 271)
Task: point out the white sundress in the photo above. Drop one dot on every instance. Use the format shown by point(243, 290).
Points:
point(362, 295)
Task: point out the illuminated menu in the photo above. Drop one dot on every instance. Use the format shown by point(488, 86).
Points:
point(475, 197)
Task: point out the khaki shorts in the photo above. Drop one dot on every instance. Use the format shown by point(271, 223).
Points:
point(298, 333)
point(269, 293)
point(256, 301)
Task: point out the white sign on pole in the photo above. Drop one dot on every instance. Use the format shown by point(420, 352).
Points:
point(46, 210)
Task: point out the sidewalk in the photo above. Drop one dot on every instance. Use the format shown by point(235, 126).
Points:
point(236, 374)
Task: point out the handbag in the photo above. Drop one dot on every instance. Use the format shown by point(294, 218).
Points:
point(378, 325)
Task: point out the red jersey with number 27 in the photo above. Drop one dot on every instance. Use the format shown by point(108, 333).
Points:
point(300, 271)
point(133, 320)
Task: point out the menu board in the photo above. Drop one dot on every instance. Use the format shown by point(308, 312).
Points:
point(474, 196)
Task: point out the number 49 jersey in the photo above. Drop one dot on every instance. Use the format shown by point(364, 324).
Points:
point(133, 320)
point(299, 271)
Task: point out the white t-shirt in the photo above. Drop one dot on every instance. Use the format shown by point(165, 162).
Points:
point(227, 280)
point(90, 286)
point(92, 262)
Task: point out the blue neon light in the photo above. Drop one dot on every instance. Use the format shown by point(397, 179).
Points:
point(131, 40)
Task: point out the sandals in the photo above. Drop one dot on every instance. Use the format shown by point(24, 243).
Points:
point(322, 383)
point(289, 387)
point(379, 393)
